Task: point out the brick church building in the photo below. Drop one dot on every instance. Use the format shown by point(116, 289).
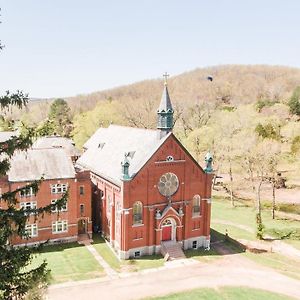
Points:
point(148, 189)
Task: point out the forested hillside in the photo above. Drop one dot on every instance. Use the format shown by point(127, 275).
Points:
point(243, 100)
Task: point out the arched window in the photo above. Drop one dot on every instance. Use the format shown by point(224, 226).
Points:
point(137, 212)
point(196, 205)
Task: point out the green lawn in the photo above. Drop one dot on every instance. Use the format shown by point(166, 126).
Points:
point(224, 293)
point(132, 265)
point(69, 262)
point(281, 263)
point(245, 215)
point(294, 243)
point(233, 231)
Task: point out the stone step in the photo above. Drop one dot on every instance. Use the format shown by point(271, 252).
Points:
point(172, 250)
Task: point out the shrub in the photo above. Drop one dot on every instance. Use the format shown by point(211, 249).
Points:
point(260, 104)
point(295, 145)
point(269, 131)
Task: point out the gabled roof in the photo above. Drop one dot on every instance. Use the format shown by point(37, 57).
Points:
point(56, 141)
point(33, 164)
point(165, 102)
point(107, 147)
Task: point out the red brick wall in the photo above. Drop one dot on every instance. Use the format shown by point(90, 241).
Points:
point(83, 180)
point(192, 181)
point(44, 197)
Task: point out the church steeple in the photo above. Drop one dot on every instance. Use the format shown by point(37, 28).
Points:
point(165, 110)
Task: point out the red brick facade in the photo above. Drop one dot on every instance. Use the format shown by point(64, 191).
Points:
point(65, 225)
point(173, 218)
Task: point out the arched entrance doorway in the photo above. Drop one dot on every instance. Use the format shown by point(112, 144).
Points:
point(168, 230)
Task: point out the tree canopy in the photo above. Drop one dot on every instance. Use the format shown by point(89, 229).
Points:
point(59, 115)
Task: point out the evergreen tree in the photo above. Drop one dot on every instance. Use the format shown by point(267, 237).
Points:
point(16, 279)
point(59, 114)
point(294, 102)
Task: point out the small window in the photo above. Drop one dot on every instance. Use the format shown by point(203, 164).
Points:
point(101, 194)
point(109, 204)
point(137, 212)
point(55, 209)
point(31, 230)
point(196, 205)
point(26, 193)
point(81, 209)
point(81, 190)
point(137, 254)
point(60, 226)
point(195, 245)
point(28, 205)
point(58, 188)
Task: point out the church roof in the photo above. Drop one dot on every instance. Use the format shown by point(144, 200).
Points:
point(57, 142)
point(33, 164)
point(165, 102)
point(106, 149)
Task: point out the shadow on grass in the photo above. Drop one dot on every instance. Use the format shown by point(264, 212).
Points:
point(60, 247)
point(220, 245)
point(98, 239)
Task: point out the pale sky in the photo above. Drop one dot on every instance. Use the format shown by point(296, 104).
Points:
point(67, 47)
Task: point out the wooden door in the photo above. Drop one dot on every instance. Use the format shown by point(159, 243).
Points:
point(81, 227)
point(167, 233)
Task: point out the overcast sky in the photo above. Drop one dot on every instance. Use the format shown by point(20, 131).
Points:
point(67, 47)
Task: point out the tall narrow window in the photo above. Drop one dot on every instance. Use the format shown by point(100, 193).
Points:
point(81, 190)
point(81, 209)
point(137, 212)
point(196, 205)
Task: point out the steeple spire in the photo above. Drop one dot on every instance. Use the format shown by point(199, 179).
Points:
point(165, 110)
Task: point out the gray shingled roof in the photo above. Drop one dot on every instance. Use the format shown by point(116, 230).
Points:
point(57, 142)
point(106, 149)
point(35, 163)
point(165, 102)
point(6, 135)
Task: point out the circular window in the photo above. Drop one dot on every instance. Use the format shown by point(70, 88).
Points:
point(169, 158)
point(168, 184)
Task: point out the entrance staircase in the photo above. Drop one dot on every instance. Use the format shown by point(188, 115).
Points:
point(84, 239)
point(171, 250)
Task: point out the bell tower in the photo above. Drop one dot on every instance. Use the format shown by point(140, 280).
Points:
point(165, 111)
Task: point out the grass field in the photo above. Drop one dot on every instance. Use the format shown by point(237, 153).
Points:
point(69, 262)
point(203, 255)
point(245, 215)
point(132, 265)
point(224, 293)
point(280, 263)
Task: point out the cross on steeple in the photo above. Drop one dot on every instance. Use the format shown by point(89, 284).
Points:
point(166, 75)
